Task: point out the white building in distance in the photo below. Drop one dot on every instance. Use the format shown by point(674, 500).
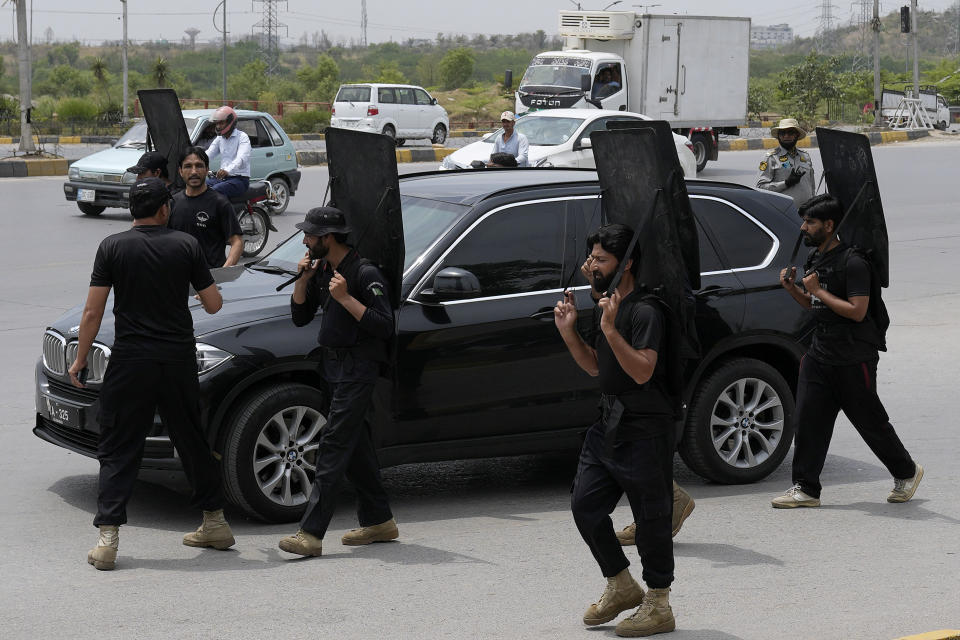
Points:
point(770, 37)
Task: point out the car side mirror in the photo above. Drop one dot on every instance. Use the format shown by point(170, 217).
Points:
point(585, 82)
point(585, 143)
point(433, 101)
point(452, 283)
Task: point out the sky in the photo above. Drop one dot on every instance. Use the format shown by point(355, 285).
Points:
point(93, 21)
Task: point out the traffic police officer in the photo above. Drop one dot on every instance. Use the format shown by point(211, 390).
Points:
point(630, 449)
point(356, 326)
point(786, 169)
point(153, 365)
point(839, 371)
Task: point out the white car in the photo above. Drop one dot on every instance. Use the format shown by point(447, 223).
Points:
point(561, 138)
point(401, 111)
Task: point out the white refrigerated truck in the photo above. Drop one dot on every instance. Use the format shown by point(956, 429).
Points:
point(689, 70)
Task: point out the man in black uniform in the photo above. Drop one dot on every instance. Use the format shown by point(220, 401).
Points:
point(356, 326)
point(839, 371)
point(153, 365)
point(152, 164)
point(204, 213)
point(630, 449)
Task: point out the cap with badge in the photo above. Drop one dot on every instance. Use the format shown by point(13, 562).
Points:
point(508, 115)
point(323, 220)
point(150, 161)
point(146, 196)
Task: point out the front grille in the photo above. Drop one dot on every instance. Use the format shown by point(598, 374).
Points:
point(110, 177)
point(585, 22)
point(54, 358)
point(67, 391)
point(97, 360)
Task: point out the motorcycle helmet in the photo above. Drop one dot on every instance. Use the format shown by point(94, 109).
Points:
point(224, 121)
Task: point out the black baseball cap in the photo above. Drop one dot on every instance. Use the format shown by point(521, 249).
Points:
point(146, 196)
point(150, 161)
point(323, 220)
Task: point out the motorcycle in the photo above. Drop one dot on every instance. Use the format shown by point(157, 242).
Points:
point(252, 211)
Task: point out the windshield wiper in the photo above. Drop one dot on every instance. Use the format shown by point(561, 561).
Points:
point(270, 268)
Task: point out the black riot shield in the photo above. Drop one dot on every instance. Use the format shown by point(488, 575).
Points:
point(675, 189)
point(167, 132)
point(364, 185)
point(852, 178)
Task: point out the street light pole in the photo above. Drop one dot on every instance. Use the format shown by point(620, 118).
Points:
point(877, 93)
point(916, 57)
point(223, 3)
point(26, 98)
point(126, 88)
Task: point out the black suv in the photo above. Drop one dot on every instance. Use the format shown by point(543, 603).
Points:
point(480, 369)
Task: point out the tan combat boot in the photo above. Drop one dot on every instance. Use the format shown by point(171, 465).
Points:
point(683, 505)
point(302, 544)
point(213, 532)
point(622, 593)
point(383, 532)
point(104, 555)
point(653, 616)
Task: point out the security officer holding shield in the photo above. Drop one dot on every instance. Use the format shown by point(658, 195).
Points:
point(356, 324)
point(786, 169)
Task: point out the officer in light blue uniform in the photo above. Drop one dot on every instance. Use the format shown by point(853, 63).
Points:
point(786, 169)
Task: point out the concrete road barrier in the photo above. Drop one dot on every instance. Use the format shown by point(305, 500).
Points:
point(30, 167)
point(436, 154)
point(875, 137)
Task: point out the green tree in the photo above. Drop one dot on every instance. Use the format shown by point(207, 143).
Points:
point(249, 82)
point(389, 72)
point(160, 71)
point(456, 68)
point(759, 97)
point(428, 69)
point(804, 86)
point(320, 82)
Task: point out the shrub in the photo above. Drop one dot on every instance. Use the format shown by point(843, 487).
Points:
point(76, 109)
point(305, 121)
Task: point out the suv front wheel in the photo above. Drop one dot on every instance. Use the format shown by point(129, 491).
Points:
point(740, 424)
point(270, 451)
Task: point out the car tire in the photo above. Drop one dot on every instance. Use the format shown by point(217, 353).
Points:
point(255, 229)
point(942, 125)
point(90, 209)
point(282, 192)
point(701, 149)
point(439, 134)
point(724, 440)
point(260, 435)
point(388, 130)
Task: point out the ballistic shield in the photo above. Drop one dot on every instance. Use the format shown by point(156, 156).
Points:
point(852, 179)
point(364, 185)
point(166, 130)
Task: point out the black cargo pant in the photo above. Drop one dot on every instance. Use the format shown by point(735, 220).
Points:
point(346, 450)
point(822, 392)
point(643, 469)
point(133, 392)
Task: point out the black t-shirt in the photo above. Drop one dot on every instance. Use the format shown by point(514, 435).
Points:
point(209, 218)
point(647, 408)
point(151, 269)
point(835, 340)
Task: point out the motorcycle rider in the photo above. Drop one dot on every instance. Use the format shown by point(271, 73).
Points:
point(233, 177)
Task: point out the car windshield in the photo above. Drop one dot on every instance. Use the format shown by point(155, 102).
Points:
point(424, 221)
point(542, 130)
point(136, 136)
point(353, 94)
point(560, 73)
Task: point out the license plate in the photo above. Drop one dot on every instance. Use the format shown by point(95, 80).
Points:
point(86, 195)
point(62, 413)
point(352, 123)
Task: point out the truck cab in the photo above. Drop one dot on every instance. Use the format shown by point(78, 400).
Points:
point(574, 79)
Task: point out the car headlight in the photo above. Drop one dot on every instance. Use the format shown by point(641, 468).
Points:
point(128, 178)
point(209, 357)
point(448, 163)
point(73, 173)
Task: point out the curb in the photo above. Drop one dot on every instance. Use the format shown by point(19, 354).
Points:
point(943, 634)
point(62, 139)
point(810, 142)
point(17, 168)
point(314, 158)
point(298, 137)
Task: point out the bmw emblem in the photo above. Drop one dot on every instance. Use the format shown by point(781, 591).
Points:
point(291, 455)
point(74, 330)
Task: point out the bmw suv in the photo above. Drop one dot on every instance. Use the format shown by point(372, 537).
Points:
point(479, 368)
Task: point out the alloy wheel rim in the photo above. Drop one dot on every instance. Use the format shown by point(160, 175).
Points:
point(747, 422)
point(285, 455)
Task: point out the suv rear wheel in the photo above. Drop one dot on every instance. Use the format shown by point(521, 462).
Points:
point(740, 423)
point(270, 452)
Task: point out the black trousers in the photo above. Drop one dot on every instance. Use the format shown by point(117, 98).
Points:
point(822, 392)
point(347, 452)
point(643, 469)
point(132, 392)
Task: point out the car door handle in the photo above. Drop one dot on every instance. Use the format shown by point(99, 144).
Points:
point(270, 154)
point(544, 314)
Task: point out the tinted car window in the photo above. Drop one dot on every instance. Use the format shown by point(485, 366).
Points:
point(742, 242)
point(516, 250)
point(353, 94)
point(386, 96)
point(709, 260)
point(405, 95)
point(422, 96)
